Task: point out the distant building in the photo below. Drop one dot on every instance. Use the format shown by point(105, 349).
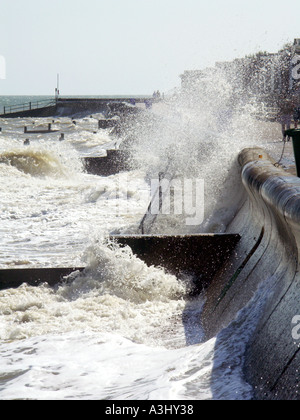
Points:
point(190, 79)
point(264, 77)
point(296, 46)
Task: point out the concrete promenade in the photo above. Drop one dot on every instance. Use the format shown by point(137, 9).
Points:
point(70, 106)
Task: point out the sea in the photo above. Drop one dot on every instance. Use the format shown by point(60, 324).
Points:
point(119, 330)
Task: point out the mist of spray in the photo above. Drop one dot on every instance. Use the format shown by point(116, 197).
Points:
point(198, 134)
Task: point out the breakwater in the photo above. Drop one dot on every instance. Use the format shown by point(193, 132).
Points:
point(64, 107)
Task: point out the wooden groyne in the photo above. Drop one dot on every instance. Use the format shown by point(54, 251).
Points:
point(11, 278)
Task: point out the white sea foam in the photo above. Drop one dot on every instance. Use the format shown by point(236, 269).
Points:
point(88, 365)
point(103, 366)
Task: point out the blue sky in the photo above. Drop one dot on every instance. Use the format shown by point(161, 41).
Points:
point(131, 46)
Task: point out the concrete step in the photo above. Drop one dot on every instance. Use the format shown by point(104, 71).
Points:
point(12, 278)
point(200, 255)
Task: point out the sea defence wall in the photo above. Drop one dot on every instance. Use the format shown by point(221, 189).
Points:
point(108, 106)
point(68, 107)
point(43, 112)
point(263, 277)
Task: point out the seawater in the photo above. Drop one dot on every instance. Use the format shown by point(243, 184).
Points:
point(120, 329)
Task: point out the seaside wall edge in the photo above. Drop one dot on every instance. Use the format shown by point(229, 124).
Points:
point(270, 218)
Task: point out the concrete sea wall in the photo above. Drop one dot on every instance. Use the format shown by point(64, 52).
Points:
point(68, 107)
point(263, 276)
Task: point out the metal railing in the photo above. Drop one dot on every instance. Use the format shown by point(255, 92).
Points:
point(150, 217)
point(156, 202)
point(28, 106)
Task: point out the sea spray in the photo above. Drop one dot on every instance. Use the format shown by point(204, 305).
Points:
point(197, 137)
point(120, 330)
point(117, 292)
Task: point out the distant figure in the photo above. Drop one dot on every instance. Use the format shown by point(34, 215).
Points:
point(285, 115)
point(132, 101)
point(296, 116)
point(26, 142)
point(285, 121)
point(148, 104)
point(156, 94)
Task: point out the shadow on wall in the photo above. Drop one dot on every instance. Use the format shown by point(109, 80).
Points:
point(255, 354)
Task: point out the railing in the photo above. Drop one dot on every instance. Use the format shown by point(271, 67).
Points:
point(156, 202)
point(28, 106)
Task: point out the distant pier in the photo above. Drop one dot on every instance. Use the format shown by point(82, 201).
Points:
point(67, 106)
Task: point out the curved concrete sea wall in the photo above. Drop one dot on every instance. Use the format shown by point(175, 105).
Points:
point(263, 279)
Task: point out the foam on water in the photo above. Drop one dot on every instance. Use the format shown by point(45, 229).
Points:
point(33, 162)
point(104, 366)
point(120, 329)
point(48, 203)
point(88, 365)
point(117, 292)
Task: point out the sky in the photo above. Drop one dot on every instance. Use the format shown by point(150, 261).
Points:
point(131, 47)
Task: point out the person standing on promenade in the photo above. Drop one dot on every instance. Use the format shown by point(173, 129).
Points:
point(296, 116)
